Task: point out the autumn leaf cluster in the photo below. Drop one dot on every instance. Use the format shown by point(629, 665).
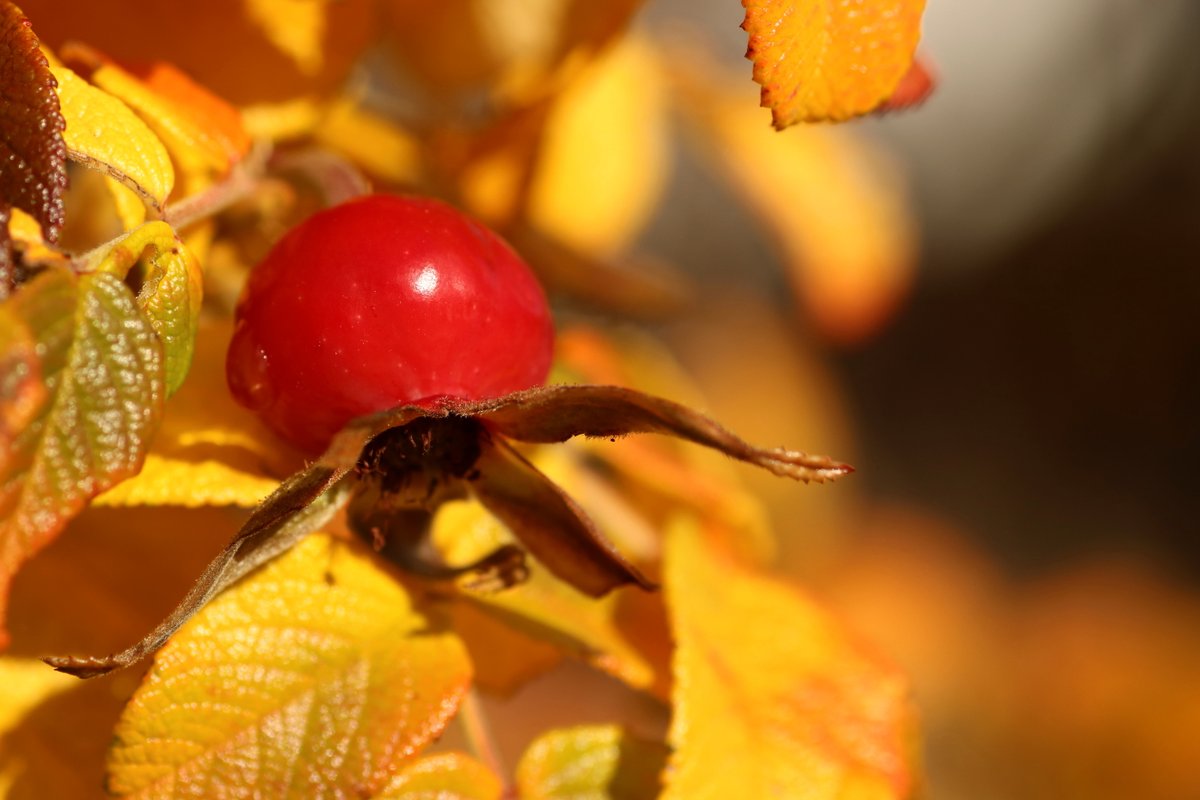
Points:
point(156, 152)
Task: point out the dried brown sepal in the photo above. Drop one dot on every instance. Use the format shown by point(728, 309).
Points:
point(300, 505)
point(557, 413)
point(33, 155)
point(364, 457)
point(549, 523)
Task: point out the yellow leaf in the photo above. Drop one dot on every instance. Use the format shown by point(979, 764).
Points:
point(542, 606)
point(295, 27)
point(131, 211)
point(52, 732)
point(603, 159)
point(773, 698)
point(209, 450)
point(167, 481)
point(829, 59)
point(104, 134)
point(445, 776)
point(838, 209)
point(314, 676)
point(194, 139)
point(596, 762)
point(515, 52)
point(371, 141)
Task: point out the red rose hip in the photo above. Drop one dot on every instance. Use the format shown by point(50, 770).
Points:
point(379, 302)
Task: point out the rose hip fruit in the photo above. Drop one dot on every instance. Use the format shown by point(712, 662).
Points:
point(379, 302)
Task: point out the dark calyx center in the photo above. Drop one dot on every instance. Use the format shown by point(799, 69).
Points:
point(435, 448)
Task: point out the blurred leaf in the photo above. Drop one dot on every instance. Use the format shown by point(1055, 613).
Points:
point(371, 141)
point(515, 54)
point(243, 50)
point(603, 157)
point(445, 776)
point(130, 209)
point(772, 697)
point(599, 762)
point(818, 60)
point(104, 134)
point(838, 209)
point(172, 289)
point(33, 171)
point(914, 88)
point(101, 364)
point(211, 117)
point(202, 133)
point(52, 733)
point(317, 654)
point(295, 27)
point(543, 606)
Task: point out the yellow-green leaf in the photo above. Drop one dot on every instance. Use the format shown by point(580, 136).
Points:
point(773, 697)
point(445, 776)
point(829, 59)
point(172, 289)
point(312, 677)
point(101, 365)
point(103, 133)
point(597, 762)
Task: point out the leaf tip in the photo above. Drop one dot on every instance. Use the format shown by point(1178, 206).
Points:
point(82, 667)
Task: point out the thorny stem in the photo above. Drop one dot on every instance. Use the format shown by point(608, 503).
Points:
point(241, 180)
point(480, 740)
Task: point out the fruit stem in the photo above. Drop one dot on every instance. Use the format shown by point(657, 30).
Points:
point(240, 181)
point(480, 739)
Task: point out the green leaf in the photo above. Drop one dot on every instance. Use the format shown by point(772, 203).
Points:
point(595, 762)
point(101, 369)
point(172, 289)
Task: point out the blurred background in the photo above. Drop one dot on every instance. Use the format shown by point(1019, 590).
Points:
point(1022, 532)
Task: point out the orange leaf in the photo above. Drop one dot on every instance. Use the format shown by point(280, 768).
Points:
point(246, 51)
point(202, 131)
point(33, 169)
point(772, 697)
point(829, 60)
point(314, 676)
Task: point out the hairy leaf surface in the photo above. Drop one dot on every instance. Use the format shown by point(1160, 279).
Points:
point(313, 677)
point(101, 365)
point(773, 698)
point(829, 60)
point(33, 155)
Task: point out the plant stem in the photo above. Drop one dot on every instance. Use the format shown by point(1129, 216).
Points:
point(241, 180)
point(480, 740)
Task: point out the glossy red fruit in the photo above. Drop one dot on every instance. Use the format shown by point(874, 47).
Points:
point(379, 302)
